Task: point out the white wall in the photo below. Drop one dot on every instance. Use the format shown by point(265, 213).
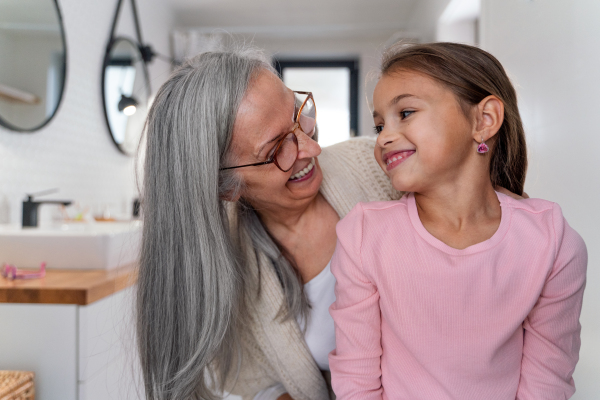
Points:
point(74, 151)
point(458, 23)
point(550, 50)
point(424, 18)
point(461, 31)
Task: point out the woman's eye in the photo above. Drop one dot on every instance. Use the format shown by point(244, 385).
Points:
point(378, 129)
point(271, 152)
point(404, 114)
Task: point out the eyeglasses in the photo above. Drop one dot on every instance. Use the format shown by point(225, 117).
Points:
point(285, 151)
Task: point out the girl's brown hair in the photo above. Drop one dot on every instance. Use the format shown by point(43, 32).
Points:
point(472, 74)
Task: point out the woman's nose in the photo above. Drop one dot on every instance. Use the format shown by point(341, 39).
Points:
point(307, 147)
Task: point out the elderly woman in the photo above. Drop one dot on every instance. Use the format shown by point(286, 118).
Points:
point(240, 207)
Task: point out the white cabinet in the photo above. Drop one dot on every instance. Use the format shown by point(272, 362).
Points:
point(77, 352)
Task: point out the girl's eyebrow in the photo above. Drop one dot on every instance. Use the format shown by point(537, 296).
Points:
point(399, 97)
point(394, 101)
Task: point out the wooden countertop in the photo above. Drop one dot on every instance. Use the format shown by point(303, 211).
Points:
point(79, 287)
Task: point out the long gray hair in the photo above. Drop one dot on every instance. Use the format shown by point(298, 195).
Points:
point(190, 292)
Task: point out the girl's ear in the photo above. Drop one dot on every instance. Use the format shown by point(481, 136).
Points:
point(489, 118)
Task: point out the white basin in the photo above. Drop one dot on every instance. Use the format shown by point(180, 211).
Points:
point(101, 245)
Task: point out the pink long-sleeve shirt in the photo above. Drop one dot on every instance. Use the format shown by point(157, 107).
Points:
point(417, 319)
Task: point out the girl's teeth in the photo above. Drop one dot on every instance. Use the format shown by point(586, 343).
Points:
point(391, 160)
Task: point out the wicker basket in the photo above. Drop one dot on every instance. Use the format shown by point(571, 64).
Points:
point(16, 385)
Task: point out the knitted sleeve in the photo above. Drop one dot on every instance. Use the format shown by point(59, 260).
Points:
point(352, 175)
point(251, 372)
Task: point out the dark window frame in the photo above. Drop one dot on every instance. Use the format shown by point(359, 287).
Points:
point(351, 64)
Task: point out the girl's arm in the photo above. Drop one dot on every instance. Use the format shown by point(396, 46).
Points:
point(355, 363)
point(551, 342)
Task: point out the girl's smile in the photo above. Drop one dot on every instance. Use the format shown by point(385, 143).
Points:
point(395, 158)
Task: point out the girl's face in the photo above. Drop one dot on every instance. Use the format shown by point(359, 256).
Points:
point(424, 137)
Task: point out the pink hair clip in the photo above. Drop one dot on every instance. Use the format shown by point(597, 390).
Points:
point(11, 272)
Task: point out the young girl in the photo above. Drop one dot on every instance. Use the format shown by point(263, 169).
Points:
point(455, 291)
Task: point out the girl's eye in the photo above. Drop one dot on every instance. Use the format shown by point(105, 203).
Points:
point(404, 114)
point(378, 129)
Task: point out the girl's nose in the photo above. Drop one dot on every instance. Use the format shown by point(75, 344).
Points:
point(386, 137)
point(307, 147)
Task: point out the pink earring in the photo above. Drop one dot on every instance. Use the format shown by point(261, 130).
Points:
point(482, 148)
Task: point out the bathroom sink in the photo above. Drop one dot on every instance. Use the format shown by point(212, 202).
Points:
point(100, 245)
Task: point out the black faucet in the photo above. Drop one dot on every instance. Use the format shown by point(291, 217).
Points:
point(30, 207)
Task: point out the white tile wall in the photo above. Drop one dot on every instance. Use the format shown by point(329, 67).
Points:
point(550, 49)
point(74, 151)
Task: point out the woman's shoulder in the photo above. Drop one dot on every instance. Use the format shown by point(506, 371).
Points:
point(358, 142)
point(358, 149)
point(352, 175)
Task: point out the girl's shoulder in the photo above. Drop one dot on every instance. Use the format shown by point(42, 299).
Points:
point(536, 211)
point(531, 205)
point(374, 217)
point(539, 217)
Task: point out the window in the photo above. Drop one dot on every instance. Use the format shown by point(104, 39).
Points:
point(335, 88)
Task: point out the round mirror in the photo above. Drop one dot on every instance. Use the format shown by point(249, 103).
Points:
point(32, 63)
point(125, 91)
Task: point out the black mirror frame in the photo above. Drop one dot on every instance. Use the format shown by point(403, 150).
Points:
point(112, 42)
point(63, 37)
point(143, 50)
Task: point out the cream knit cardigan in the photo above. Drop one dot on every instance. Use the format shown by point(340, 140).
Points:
point(275, 351)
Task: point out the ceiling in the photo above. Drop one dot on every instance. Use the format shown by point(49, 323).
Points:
point(295, 18)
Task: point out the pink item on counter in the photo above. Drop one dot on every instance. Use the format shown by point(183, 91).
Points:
point(9, 271)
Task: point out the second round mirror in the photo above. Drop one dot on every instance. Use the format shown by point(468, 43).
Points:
point(125, 92)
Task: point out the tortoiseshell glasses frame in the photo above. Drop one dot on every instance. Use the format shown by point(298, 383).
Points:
point(290, 137)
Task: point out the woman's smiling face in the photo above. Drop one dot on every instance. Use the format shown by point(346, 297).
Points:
point(266, 114)
point(424, 137)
